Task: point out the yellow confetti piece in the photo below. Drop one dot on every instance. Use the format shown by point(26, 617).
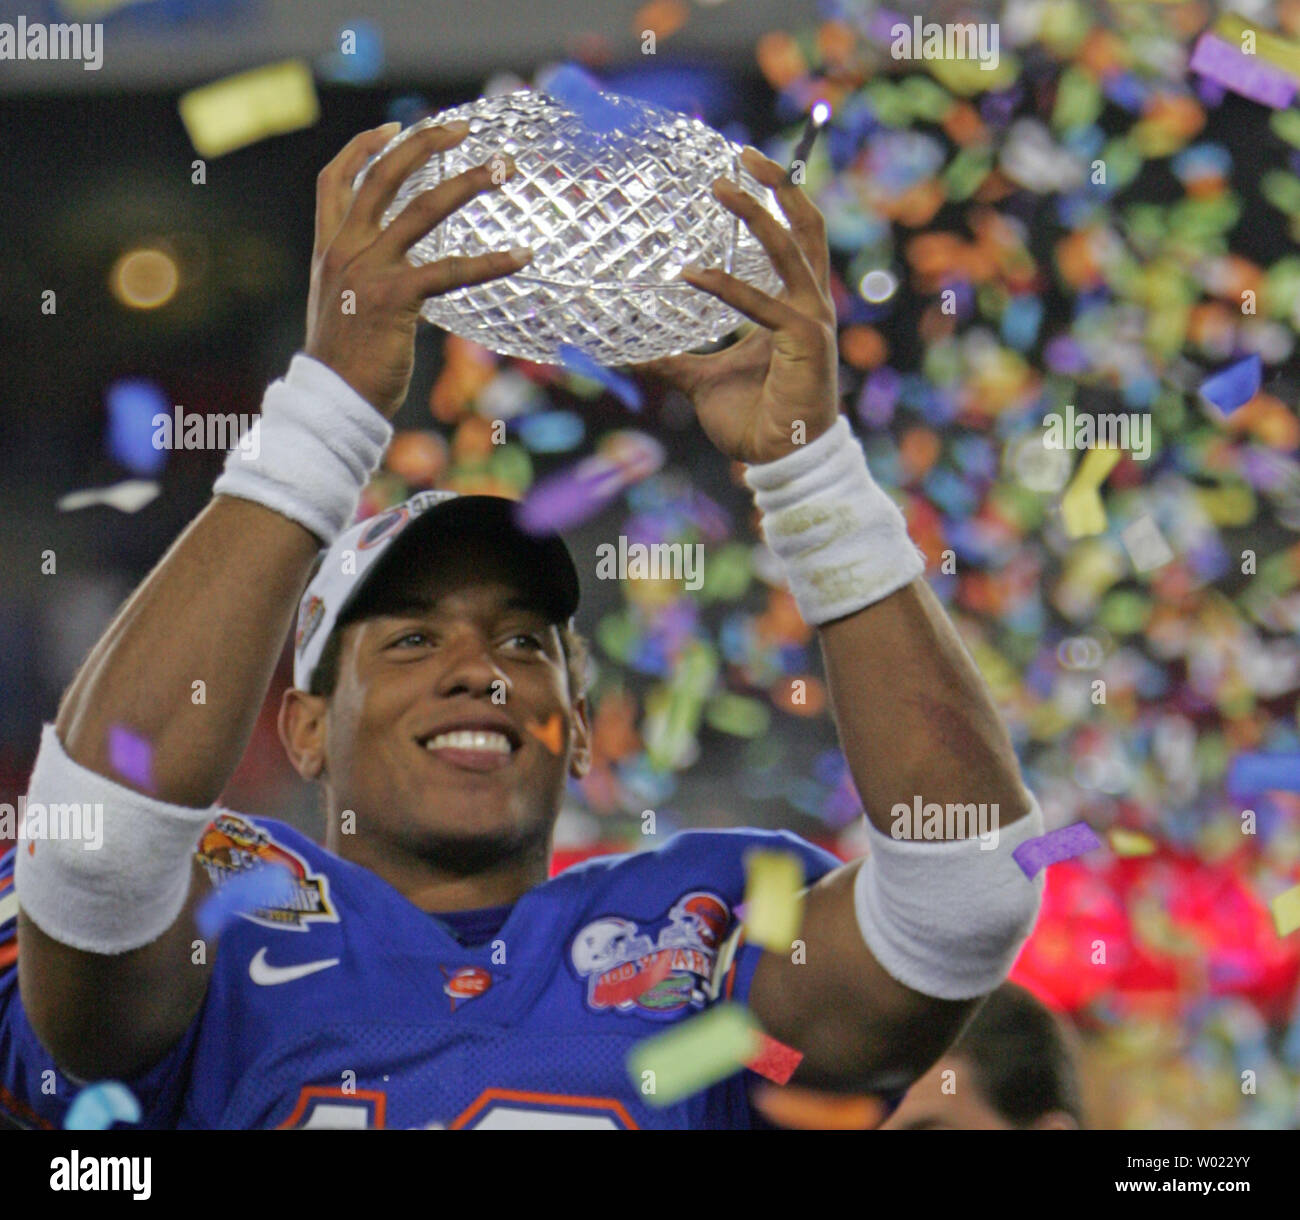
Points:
point(1130, 842)
point(1286, 911)
point(251, 106)
point(1280, 51)
point(694, 1055)
point(1081, 508)
point(773, 899)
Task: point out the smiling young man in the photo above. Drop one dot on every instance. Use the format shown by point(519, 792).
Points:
point(419, 970)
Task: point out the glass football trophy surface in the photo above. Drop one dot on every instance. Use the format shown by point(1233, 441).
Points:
point(611, 216)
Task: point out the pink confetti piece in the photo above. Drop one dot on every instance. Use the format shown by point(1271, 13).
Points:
point(1033, 855)
point(1248, 75)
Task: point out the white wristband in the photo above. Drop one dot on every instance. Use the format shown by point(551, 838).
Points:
point(311, 452)
point(842, 541)
point(948, 918)
point(116, 888)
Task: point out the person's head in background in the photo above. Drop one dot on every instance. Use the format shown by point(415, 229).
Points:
point(1013, 1068)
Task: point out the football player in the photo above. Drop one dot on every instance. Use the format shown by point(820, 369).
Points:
point(422, 971)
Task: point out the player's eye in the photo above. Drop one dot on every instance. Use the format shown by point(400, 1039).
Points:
point(412, 639)
point(527, 640)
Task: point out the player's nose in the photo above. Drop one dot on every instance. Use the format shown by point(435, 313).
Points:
point(469, 667)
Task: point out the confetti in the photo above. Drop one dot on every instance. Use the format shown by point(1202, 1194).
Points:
point(1249, 774)
point(1145, 544)
point(1033, 855)
point(550, 734)
point(1286, 911)
point(1082, 511)
point(1129, 842)
point(575, 360)
point(695, 1054)
point(776, 1061)
point(811, 1110)
point(98, 1106)
point(1234, 386)
point(552, 431)
point(131, 756)
point(582, 94)
point(132, 404)
point(1247, 75)
point(243, 109)
point(360, 58)
point(259, 888)
point(128, 497)
point(773, 899)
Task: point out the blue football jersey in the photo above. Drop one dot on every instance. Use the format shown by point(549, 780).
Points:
point(348, 1007)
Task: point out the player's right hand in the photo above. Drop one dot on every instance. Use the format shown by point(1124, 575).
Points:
point(369, 338)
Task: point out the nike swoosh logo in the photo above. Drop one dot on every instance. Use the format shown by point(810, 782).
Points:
point(265, 975)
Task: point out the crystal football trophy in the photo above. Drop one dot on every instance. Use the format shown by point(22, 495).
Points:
point(611, 215)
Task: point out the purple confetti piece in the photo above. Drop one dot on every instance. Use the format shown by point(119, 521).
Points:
point(131, 756)
point(1033, 855)
point(1234, 386)
point(265, 886)
point(575, 360)
point(1248, 75)
point(571, 497)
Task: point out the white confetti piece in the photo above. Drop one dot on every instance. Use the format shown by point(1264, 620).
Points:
point(128, 497)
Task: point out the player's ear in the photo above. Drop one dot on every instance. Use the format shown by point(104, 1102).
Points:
point(302, 731)
point(580, 757)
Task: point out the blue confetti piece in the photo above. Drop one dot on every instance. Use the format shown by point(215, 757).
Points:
point(551, 431)
point(1249, 774)
point(360, 58)
point(98, 1106)
point(262, 887)
point(581, 93)
point(575, 360)
point(132, 404)
point(1033, 855)
point(1021, 320)
point(1234, 386)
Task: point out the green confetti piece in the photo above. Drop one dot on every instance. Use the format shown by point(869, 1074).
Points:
point(513, 465)
point(727, 575)
point(1123, 162)
point(737, 715)
point(617, 635)
point(1282, 190)
point(694, 1054)
point(1078, 100)
point(924, 98)
point(887, 104)
point(773, 899)
point(1124, 612)
point(1286, 124)
point(964, 174)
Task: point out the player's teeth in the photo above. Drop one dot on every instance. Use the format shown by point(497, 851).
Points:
point(471, 739)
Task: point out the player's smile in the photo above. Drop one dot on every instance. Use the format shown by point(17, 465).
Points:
point(478, 743)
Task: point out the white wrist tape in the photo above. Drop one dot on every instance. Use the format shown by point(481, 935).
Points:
point(841, 539)
point(947, 918)
point(118, 888)
point(311, 452)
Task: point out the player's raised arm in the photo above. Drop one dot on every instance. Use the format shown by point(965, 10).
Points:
point(900, 948)
point(105, 937)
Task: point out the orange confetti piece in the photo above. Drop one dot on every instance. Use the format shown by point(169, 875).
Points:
point(808, 1110)
point(780, 60)
point(418, 457)
point(863, 347)
point(551, 733)
point(804, 696)
point(663, 18)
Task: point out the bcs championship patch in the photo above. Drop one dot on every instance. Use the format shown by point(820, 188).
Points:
point(231, 845)
point(630, 971)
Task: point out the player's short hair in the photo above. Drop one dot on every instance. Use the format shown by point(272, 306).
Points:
point(325, 676)
point(1021, 1058)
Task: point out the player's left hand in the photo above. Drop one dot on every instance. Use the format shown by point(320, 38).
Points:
point(750, 396)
